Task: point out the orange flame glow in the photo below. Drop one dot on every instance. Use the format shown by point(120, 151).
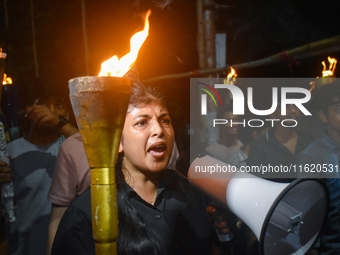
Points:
point(6, 80)
point(119, 67)
point(232, 73)
point(332, 63)
point(312, 86)
point(231, 77)
point(325, 73)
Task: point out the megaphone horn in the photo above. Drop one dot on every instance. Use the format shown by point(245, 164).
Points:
point(285, 217)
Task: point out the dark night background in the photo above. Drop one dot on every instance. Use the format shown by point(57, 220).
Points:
point(255, 29)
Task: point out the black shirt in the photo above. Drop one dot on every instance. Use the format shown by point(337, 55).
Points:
point(178, 217)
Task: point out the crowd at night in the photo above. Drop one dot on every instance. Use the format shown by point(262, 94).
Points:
point(56, 148)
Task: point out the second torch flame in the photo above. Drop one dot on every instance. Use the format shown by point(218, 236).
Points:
point(332, 64)
point(119, 67)
point(6, 80)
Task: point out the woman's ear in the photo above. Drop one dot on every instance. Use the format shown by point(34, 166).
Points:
point(121, 147)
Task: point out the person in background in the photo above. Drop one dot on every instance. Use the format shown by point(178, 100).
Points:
point(32, 160)
point(246, 135)
point(325, 151)
point(228, 144)
point(280, 145)
point(159, 212)
point(5, 173)
point(71, 177)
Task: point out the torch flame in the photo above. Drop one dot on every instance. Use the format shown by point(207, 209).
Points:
point(232, 73)
point(6, 80)
point(325, 73)
point(312, 86)
point(332, 63)
point(119, 67)
point(231, 77)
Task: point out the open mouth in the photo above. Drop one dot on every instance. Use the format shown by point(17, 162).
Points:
point(157, 149)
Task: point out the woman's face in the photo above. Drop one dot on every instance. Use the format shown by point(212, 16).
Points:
point(147, 138)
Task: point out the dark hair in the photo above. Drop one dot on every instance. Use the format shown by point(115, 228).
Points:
point(326, 95)
point(134, 236)
point(144, 95)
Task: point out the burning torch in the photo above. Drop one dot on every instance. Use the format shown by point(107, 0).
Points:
point(2, 63)
point(100, 105)
point(7, 191)
point(9, 107)
point(327, 75)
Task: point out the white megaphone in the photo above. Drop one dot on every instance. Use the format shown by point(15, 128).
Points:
point(285, 217)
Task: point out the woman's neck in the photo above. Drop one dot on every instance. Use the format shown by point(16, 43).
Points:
point(145, 185)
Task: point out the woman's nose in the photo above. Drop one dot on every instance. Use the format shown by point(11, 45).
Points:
point(156, 129)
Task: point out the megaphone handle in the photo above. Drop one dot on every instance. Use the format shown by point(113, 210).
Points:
point(220, 213)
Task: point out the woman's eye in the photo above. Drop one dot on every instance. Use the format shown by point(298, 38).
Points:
point(141, 123)
point(166, 121)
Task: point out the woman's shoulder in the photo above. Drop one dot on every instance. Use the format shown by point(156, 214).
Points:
point(74, 234)
point(83, 203)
